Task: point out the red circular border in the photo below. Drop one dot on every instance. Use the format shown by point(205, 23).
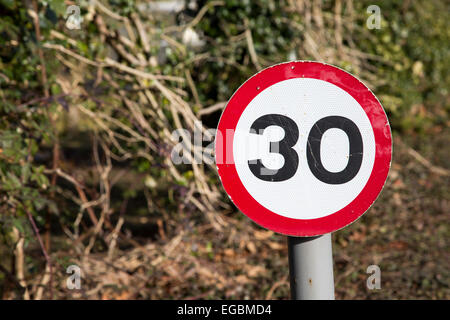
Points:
point(265, 217)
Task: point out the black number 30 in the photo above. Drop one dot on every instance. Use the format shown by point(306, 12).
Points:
point(291, 161)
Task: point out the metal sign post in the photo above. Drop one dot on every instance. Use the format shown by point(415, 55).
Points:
point(311, 267)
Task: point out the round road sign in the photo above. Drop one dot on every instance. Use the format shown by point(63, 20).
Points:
point(303, 148)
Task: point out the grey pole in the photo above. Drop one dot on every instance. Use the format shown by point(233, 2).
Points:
point(311, 267)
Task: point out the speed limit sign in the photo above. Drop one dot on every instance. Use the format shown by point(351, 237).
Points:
point(303, 148)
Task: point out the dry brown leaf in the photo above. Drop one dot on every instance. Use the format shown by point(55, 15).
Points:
point(263, 235)
point(242, 279)
point(251, 247)
point(275, 245)
point(255, 271)
point(229, 252)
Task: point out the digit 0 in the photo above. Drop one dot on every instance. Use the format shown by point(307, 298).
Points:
point(355, 153)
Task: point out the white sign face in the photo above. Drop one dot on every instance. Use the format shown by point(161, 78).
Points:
point(307, 148)
point(305, 101)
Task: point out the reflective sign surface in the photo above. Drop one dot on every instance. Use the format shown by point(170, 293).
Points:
point(303, 148)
